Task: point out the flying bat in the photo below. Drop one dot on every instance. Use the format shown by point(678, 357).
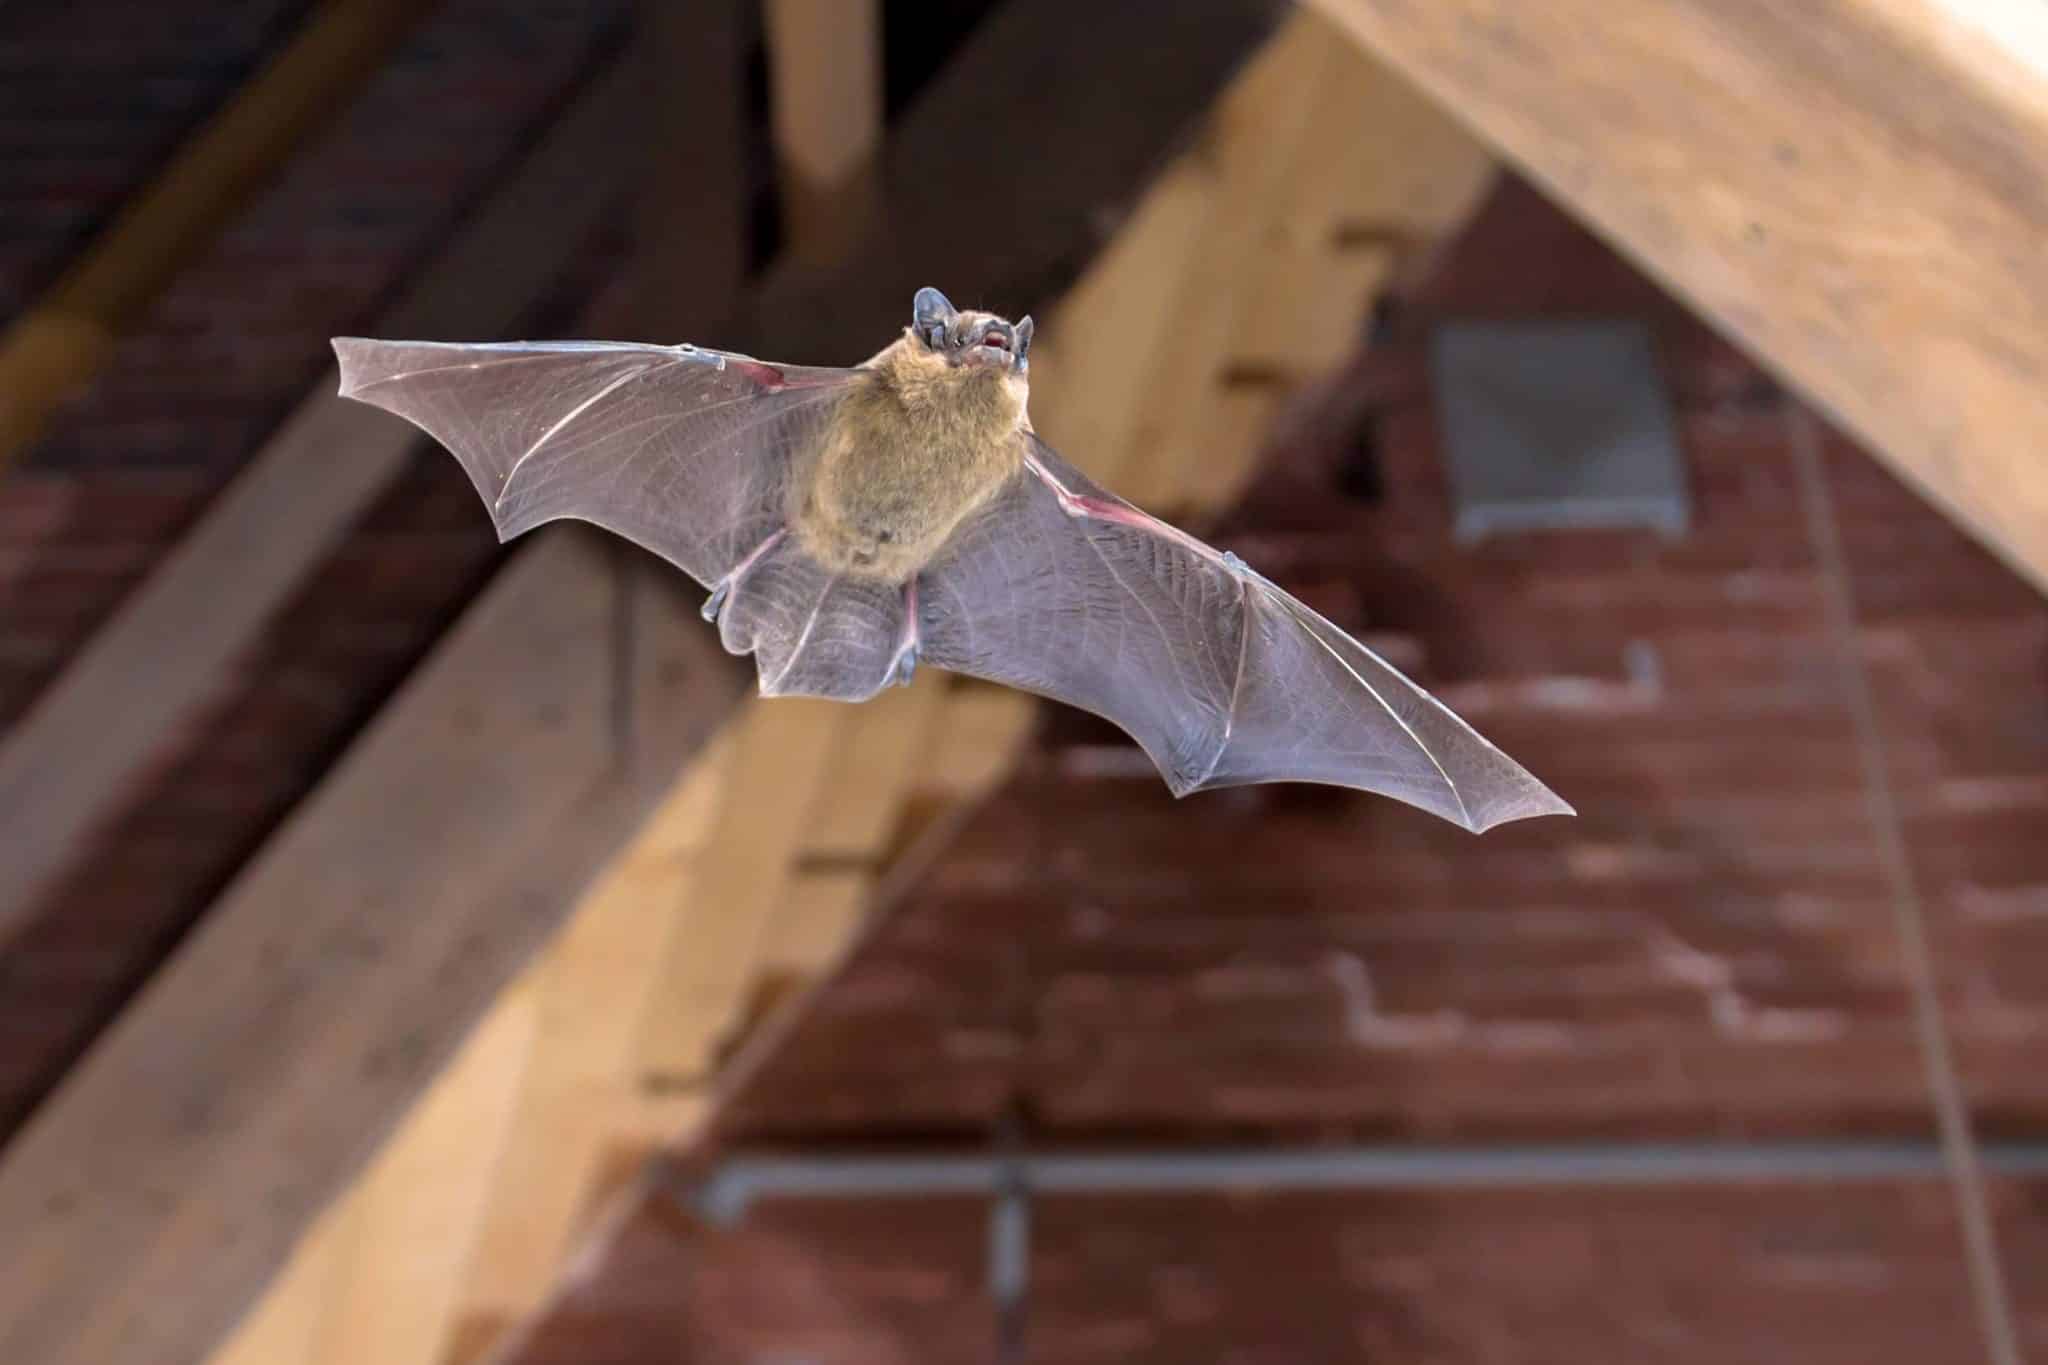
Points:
point(852, 524)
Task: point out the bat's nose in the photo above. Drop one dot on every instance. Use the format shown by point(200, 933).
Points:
point(1000, 335)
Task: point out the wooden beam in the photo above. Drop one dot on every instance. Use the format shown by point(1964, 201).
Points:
point(180, 1160)
point(55, 348)
point(580, 1099)
point(413, 1220)
point(66, 765)
point(825, 106)
point(1857, 190)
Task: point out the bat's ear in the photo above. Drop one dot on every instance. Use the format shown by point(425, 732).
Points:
point(931, 309)
point(1024, 330)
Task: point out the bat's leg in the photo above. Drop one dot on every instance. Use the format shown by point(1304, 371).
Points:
point(723, 590)
point(905, 663)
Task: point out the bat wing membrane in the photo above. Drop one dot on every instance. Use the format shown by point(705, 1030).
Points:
point(1062, 589)
point(684, 451)
point(1057, 587)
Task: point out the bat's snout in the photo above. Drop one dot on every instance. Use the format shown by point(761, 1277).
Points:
point(996, 342)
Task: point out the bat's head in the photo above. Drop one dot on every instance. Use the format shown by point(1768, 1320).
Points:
point(970, 337)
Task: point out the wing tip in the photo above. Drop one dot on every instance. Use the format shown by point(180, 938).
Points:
point(1538, 801)
point(348, 351)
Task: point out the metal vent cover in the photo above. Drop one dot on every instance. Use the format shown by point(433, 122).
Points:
point(1556, 425)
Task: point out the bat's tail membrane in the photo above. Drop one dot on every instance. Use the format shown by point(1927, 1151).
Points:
point(812, 632)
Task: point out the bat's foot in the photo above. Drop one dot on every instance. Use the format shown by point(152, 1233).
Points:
point(715, 603)
point(905, 667)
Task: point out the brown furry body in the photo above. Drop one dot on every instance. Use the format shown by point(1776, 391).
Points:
point(917, 444)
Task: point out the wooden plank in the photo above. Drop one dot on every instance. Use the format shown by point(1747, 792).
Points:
point(417, 1209)
point(1087, 394)
point(881, 755)
point(582, 1078)
point(979, 737)
point(1250, 145)
point(825, 111)
point(68, 762)
point(1856, 190)
point(181, 1159)
point(55, 348)
point(780, 761)
point(287, 1325)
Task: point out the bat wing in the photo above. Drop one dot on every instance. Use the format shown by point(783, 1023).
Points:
point(1065, 590)
point(686, 452)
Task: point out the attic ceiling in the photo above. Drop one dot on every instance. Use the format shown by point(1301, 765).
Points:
point(1077, 962)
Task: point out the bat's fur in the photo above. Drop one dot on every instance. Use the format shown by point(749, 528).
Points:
point(918, 443)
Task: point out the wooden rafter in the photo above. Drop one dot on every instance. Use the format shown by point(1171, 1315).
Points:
point(1855, 189)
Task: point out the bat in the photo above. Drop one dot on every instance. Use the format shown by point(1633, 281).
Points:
point(853, 524)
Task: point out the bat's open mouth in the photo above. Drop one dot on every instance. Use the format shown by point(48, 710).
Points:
point(996, 346)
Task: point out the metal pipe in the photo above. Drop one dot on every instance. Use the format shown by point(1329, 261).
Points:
point(735, 1182)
